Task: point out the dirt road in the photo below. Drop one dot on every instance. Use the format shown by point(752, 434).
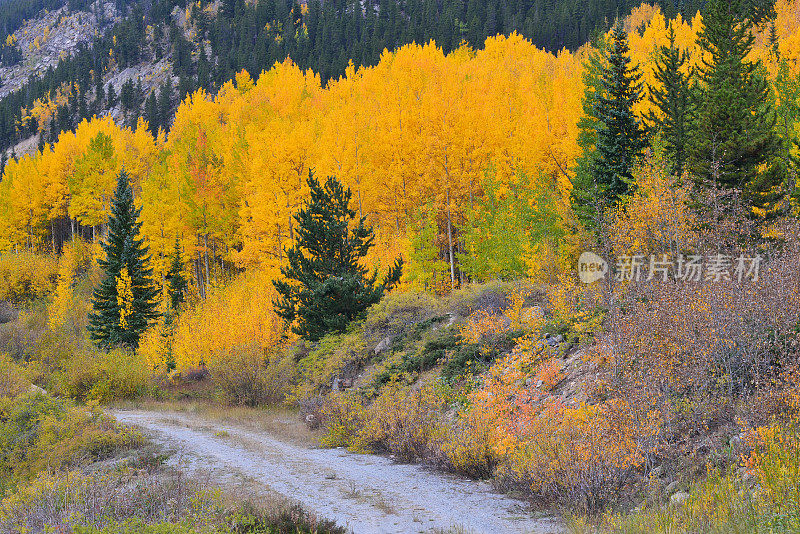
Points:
point(369, 494)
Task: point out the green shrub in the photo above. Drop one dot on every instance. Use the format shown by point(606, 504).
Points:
point(292, 520)
point(88, 374)
point(437, 346)
point(39, 432)
point(474, 358)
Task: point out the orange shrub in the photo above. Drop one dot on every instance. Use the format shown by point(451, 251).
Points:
point(550, 373)
point(482, 324)
point(577, 455)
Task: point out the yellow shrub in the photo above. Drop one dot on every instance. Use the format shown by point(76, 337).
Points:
point(42, 433)
point(657, 218)
point(76, 435)
point(235, 315)
point(482, 324)
point(103, 376)
point(576, 455)
point(775, 461)
point(405, 421)
point(248, 376)
point(724, 502)
point(12, 377)
point(67, 309)
point(573, 306)
point(155, 348)
point(469, 448)
point(343, 417)
point(26, 276)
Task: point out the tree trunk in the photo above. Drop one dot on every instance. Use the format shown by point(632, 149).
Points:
point(205, 253)
point(450, 241)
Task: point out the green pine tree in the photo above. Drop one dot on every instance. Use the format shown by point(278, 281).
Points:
point(124, 304)
point(734, 131)
point(588, 123)
point(151, 113)
point(672, 97)
point(165, 105)
point(604, 173)
point(620, 138)
point(177, 284)
point(325, 287)
point(111, 96)
point(772, 40)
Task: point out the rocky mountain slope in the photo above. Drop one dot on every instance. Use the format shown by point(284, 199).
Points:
point(52, 36)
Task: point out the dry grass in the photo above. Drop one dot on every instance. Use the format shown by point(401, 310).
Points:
point(280, 421)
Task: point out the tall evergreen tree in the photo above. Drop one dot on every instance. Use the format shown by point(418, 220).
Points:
point(734, 130)
point(618, 136)
point(165, 105)
point(151, 114)
point(111, 96)
point(325, 286)
point(177, 284)
point(125, 303)
point(673, 99)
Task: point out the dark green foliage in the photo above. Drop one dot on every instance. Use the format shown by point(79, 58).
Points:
point(474, 358)
point(587, 129)
point(14, 13)
point(325, 287)
point(408, 339)
point(177, 286)
point(446, 347)
point(436, 349)
point(111, 96)
point(9, 54)
point(619, 137)
point(734, 130)
point(672, 97)
point(151, 113)
point(165, 105)
point(124, 251)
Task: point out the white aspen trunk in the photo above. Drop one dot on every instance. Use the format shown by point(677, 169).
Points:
point(450, 241)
